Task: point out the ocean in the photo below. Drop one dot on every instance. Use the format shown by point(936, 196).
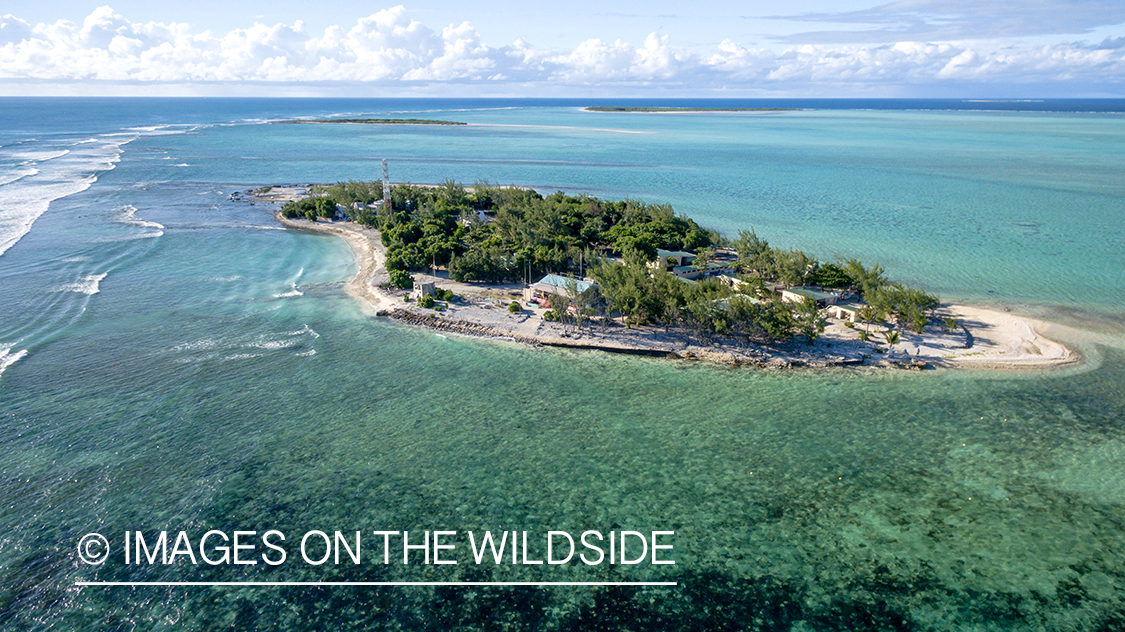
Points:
point(173, 360)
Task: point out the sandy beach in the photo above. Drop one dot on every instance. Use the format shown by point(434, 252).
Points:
point(982, 339)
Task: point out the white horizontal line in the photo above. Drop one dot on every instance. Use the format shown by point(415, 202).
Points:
point(83, 583)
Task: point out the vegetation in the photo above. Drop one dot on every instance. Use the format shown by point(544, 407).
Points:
point(642, 295)
point(497, 234)
point(310, 208)
point(525, 235)
point(514, 307)
point(907, 305)
point(401, 279)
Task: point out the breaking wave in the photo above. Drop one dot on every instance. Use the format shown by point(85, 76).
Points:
point(128, 215)
point(88, 285)
point(299, 342)
point(9, 357)
point(35, 173)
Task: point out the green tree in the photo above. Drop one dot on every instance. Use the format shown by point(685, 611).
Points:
point(808, 320)
point(830, 275)
point(868, 314)
point(866, 280)
point(794, 267)
point(401, 279)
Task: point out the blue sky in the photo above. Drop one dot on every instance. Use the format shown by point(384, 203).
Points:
point(907, 48)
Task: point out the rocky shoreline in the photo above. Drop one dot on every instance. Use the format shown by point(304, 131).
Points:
point(478, 330)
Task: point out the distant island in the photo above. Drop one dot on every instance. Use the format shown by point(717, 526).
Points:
point(618, 108)
point(375, 121)
point(628, 276)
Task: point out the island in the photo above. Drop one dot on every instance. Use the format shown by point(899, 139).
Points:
point(633, 277)
point(372, 121)
point(665, 110)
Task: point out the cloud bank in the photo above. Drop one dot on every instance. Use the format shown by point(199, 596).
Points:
point(388, 48)
point(945, 20)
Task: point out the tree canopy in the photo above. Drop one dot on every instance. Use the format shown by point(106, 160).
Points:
point(496, 234)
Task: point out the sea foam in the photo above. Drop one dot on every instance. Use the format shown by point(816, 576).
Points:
point(128, 215)
point(35, 173)
point(24, 196)
point(9, 357)
point(89, 285)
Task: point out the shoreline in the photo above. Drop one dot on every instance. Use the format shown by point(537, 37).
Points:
point(988, 339)
point(384, 121)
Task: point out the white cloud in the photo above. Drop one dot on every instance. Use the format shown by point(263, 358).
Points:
point(962, 20)
point(388, 47)
point(13, 30)
point(595, 61)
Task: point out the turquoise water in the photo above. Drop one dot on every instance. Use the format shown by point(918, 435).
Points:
point(176, 362)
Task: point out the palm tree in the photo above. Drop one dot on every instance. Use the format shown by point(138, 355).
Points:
point(867, 314)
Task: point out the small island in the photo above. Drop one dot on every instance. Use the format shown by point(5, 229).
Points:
point(634, 277)
point(686, 110)
point(372, 121)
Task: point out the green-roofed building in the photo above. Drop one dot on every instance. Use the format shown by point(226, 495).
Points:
point(798, 294)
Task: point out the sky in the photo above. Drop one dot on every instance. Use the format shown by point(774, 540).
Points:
point(579, 48)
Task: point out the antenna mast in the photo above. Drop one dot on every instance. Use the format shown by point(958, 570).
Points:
point(386, 187)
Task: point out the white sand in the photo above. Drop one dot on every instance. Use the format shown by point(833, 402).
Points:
point(1004, 340)
point(370, 255)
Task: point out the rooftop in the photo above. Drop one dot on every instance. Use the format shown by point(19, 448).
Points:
point(660, 252)
point(555, 280)
point(807, 292)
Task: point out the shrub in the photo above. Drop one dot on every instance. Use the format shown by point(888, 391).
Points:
point(917, 319)
point(449, 295)
point(426, 301)
point(401, 279)
point(514, 307)
point(551, 315)
point(864, 337)
point(849, 324)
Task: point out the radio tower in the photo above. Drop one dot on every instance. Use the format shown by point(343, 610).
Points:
point(386, 187)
